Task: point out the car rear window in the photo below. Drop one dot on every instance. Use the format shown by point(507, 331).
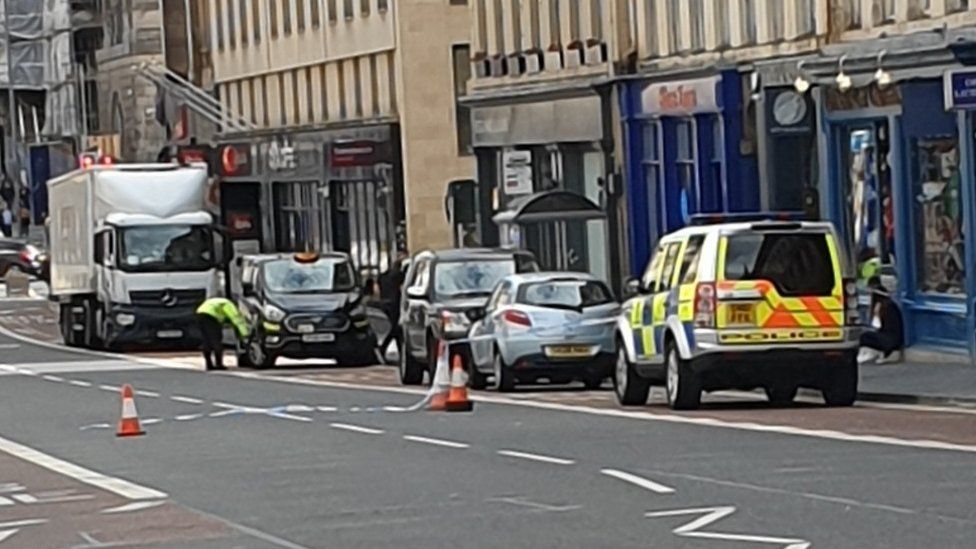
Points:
point(797, 264)
point(565, 294)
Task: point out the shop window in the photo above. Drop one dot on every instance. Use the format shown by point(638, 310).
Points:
point(686, 160)
point(298, 224)
point(461, 54)
point(653, 170)
point(717, 164)
point(938, 211)
point(953, 6)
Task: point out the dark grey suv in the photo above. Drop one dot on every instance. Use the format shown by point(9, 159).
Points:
point(439, 290)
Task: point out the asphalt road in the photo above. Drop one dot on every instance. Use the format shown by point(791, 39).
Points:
point(244, 460)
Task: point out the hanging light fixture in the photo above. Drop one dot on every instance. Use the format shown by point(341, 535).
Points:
point(882, 77)
point(844, 81)
point(801, 84)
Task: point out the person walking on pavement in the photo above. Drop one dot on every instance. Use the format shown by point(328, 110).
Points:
point(6, 220)
point(391, 284)
point(212, 315)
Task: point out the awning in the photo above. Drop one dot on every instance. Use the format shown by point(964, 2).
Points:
point(549, 206)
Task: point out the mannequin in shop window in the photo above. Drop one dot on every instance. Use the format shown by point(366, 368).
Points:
point(883, 343)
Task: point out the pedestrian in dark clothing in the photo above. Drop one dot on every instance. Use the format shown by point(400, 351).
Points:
point(6, 220)
point(887, 336)
point(390, 284)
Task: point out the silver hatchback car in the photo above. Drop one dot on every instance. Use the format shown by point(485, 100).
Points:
point(553, 326)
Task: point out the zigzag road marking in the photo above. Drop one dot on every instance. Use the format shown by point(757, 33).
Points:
point(711, 515)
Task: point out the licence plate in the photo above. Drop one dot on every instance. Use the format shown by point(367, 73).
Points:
point(742, 315)
point(568, 351)
point(318, 338)
point(169, 334)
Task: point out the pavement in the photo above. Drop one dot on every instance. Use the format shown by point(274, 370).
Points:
point(314, 455)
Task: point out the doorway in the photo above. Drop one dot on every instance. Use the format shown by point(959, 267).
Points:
point(361, 223)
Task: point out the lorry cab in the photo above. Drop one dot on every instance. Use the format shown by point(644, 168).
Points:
point(303, 305)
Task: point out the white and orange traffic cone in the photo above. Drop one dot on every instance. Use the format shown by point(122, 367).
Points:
point(441, 385)
point(129, 424)
point(457, 398)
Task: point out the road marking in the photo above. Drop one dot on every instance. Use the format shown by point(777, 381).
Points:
point(638, 481)
point(28, 499)
point(20, 523)
point(152, 421)
point(110, 388)
point(118, 486)
point(9, 346)
point(272, 412)
point(536, 457)
point(79, 383)
point(55, 379)
point(327, 408)
point(711, 515)
point(436, 442)
point(188, 417)
point(186, 399)
point(96, 426)
point(148, 394)
point(523, 502)
point(357, 428)
point(132, 507)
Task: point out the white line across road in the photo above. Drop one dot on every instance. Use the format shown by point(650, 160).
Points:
point(79, 383)
point(148, 394)
point(638, 481)
point(186, 399)
point(357, 428)
point(118, 486)
point(436, 442)
point(110, 388)
point(536, 457)
point(55, 379)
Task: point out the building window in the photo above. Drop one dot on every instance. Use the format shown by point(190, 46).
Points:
point(554, 23)
point(347, 9)
point(775, 13)
point(298, 224)
point(675, 8)
point(717, 164)
point(534, 23)
point(650, 30)
point(883, 12)
point(596, 13)
point(219, 23)
point(499, 27)
point(300, 15)
point(654, 172)
point(853, 9)
point(286, 16)
point(953, 6)
point(723, 33)
point(696, 10)
point(939, 216)
point(315, 13)
point(575, 24)
point(383, 5)
point(333, 10)
point(231, 25)
point(806, 17)
point(273, 18)
point(256, 19)
point(243, 15)
point(687, 164)
point(747, 17)
point(515, 8)
point(364, 7)
point(461, 54)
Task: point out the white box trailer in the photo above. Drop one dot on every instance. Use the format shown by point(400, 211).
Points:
point(133, 252)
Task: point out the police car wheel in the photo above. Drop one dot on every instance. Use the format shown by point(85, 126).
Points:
point(681, 383)
point(840, 389)
point(631, 389)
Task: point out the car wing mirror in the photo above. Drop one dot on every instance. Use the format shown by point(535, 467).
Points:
point(416, 293)
point(632, 287)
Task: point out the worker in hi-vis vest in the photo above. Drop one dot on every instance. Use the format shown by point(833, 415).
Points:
point(212, 315)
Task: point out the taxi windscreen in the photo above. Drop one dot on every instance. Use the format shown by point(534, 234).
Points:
point(797, 264)
point(286, 276)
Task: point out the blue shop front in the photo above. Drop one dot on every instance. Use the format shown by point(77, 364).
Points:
point(687, 152)
point(899, 169)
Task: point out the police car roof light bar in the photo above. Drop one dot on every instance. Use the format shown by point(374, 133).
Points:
point(745, 217)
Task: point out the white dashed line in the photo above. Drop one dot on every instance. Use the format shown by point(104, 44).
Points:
point(536, 457)
point(55, 379)
point(357, 428)
point(327, 408)
point(436, 442)
point(188, 417)
point(79, 383)
point(148, 394)
point(638, 481)
point(111, 388)
point(130, 507)
point(188, 400)
point(152, 421)
point(118, 486)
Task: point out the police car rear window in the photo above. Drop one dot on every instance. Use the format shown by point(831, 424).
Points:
point(797, 264)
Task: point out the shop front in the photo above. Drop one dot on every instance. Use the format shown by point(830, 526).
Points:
point(687, 153)
point(557, 144)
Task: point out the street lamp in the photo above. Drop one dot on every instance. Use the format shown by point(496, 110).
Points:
point(882, 77)
point(844, 82)
point(801, 84)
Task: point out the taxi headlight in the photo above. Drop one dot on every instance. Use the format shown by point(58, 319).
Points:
point(359, 311)
point(454, 323)
point(272, 313)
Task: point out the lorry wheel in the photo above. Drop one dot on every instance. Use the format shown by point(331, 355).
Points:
point(67, 332)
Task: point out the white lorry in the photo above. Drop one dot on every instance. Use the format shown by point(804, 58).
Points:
point(133, 253)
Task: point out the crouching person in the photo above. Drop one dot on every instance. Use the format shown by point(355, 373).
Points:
point(212, 315)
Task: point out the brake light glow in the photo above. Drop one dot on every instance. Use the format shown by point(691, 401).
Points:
point(705, 305)
point(517, 318)
point(852, 317)
point(25, 256)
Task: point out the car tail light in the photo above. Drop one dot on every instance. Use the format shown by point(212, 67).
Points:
point(25, 256)
point(705, 305)
point(518, 318)
point(852, 317)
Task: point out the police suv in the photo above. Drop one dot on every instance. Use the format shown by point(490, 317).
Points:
point(751, 304)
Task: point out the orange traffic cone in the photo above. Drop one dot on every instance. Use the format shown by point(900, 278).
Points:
point(129, 424)
point(442, 381)
point(457, 399)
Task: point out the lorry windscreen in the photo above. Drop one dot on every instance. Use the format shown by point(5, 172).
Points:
point(169, 248)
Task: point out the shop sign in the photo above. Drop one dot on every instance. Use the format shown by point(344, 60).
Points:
point(235, 160)
point(281, 156)
point(194, 154)
point(960, 89)
point(362, 152)
point(681, 98)
point(517, 172)
point(788, 112)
